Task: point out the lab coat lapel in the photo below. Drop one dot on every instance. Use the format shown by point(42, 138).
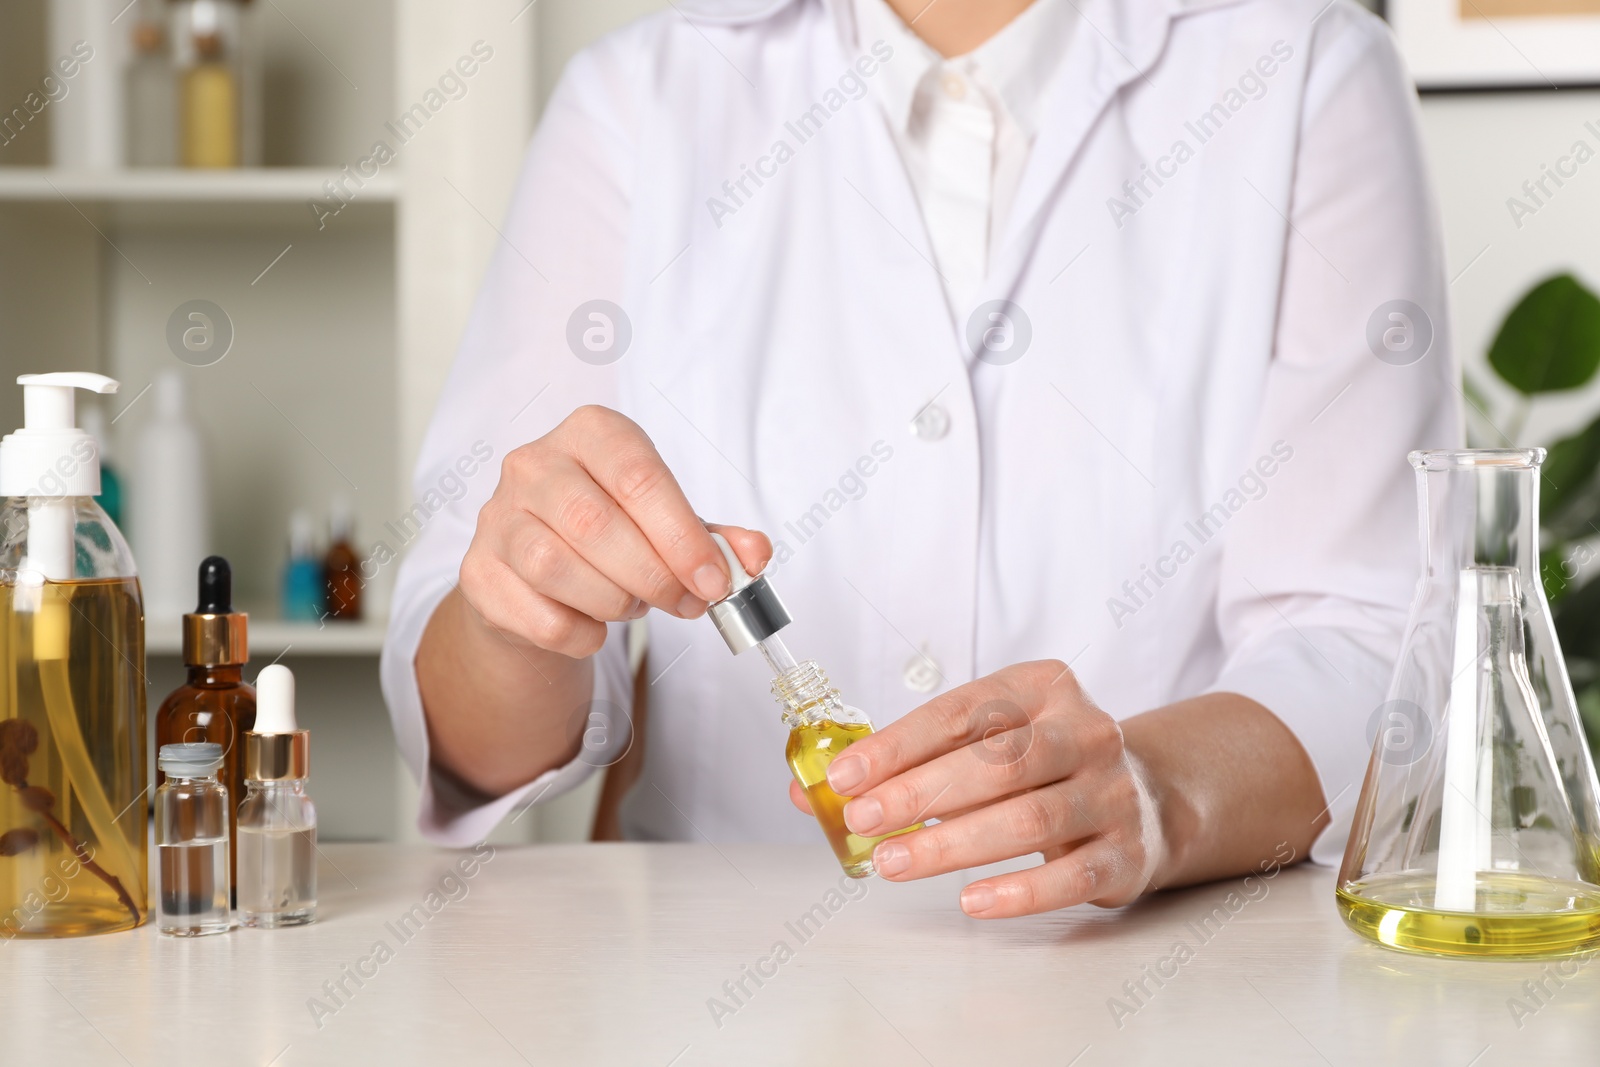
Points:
point(1115, 42)
point(872, 167)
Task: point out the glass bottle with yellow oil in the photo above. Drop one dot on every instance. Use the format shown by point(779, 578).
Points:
point(820, 724)
point(73, 846)
point(1478, 829)
point(218, 83)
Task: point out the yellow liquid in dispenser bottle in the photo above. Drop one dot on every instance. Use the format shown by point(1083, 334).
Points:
point(73, 847)
point(1518, 916)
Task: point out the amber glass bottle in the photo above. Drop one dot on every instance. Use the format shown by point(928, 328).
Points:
point(214, 703)
point(341, 567)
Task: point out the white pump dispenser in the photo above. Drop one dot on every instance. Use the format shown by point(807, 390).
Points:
point(50, 455)
point(49, 461)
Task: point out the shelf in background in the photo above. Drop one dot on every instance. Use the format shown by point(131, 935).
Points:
point(272, 637)
point(255, 184)
point(160, 197)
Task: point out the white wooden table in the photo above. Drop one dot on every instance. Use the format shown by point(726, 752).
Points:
point(609, 954)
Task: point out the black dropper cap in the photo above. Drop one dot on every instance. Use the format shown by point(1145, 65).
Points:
point(216, 587)
point(214, 635)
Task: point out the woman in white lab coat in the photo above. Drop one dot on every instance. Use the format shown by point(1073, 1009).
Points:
point(1070, 379)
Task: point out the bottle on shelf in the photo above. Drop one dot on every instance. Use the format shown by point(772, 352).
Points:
point(303, 582)
point(110, 496)
point(86, 123)
point(72, 709)
point(214, 703)
point(277, 821)
point(218, 84)
point(150, 92)
point(341, 566)
point(168, 510)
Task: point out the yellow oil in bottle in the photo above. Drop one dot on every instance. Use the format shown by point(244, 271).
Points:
point(812, 746)
point(1518, 916)
point(73, 848)
point(209, 115)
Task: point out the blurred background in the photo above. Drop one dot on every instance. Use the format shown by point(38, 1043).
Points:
point(195, 204)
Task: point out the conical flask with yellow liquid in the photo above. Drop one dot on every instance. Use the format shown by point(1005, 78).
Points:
point(73, 847)
point(1478, 831)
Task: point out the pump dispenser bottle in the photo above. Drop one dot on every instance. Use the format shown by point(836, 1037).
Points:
point(821, 725)
point(72, 709)
point(214, 703)
point(277, 821)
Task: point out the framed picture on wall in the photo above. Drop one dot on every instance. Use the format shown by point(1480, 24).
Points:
point(1485, 44)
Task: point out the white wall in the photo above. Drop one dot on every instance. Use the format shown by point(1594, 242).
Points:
point(1482, 147)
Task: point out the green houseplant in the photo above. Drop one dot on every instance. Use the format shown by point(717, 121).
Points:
point(1550, 343)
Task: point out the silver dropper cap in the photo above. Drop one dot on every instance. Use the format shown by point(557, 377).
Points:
point(752, 612)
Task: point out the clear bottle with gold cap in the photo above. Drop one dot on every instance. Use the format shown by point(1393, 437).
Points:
point(277, 821)
point(213, 704)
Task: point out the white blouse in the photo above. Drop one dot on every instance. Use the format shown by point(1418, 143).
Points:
point(964, 126)
point(1163, 439)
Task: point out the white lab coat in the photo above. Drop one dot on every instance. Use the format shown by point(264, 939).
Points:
point(1199, 347)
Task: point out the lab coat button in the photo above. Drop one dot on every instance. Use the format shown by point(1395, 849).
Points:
point(931, 423)
point(955, 87)
point(922, 673)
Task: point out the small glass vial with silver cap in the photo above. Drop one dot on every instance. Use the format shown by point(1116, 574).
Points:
point(192, 842)
point(821, 725)
point(277, 821)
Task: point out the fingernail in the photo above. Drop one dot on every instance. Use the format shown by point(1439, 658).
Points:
point(863, 815)
point(846, 772)
point(891, 858)
point(691, 606)
point(711, 582)
point(639, 610)
point(978, 898)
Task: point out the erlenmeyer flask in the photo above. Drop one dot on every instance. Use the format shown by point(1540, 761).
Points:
point(1476, 832)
